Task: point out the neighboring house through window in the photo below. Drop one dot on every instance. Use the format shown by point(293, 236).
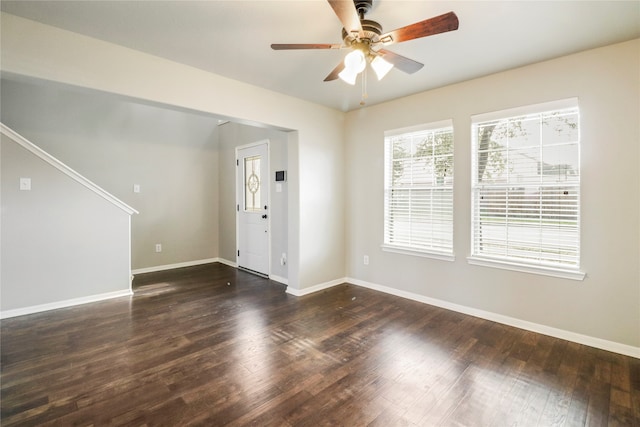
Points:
point(418, 202)
point(526, 189)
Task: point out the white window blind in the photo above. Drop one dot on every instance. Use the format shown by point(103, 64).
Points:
point(526, 186)
point(418, 203)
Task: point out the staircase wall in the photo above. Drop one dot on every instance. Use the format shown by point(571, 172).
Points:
point(63, 242)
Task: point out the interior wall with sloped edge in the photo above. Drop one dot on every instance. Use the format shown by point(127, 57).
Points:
point(118, 143)
point(60, 241)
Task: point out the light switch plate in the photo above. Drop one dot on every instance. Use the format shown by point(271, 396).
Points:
point(25, 184)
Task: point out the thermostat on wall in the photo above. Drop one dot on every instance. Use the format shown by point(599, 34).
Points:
point(281, 176)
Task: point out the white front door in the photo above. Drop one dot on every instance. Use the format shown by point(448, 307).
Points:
point(253, 207)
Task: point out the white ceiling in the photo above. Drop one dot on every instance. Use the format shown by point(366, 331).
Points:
point(232, 38)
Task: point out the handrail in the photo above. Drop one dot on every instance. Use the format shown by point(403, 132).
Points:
point(25, 143)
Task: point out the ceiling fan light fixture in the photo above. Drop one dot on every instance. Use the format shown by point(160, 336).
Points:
point(348, 76)
point(355, 61)
point(381, 66)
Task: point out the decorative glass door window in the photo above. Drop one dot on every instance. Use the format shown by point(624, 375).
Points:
point(252, 184)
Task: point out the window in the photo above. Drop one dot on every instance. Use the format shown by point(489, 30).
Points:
point(252, 184)
point(526, 189)
point(418, 202)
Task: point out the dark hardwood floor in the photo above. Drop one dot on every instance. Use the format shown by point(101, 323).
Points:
point(212, 346)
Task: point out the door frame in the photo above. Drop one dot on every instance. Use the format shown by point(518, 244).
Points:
point(240, 198)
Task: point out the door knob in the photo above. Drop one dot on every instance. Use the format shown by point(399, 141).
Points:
point(264, 216)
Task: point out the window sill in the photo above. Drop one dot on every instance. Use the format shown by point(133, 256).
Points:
point(564, 273)
point(414, 252)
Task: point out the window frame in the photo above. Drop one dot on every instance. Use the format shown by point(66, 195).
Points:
point(513, 263)
point(427, 252)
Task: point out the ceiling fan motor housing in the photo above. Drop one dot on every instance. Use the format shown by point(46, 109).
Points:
point(371, 34)
point(363, 7)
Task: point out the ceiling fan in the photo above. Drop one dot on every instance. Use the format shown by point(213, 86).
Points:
point(366, 41)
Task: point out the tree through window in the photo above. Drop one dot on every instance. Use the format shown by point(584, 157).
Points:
point(526, 186)
point(419, 189)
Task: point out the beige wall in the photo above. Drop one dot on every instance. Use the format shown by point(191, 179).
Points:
point(606, 304)
point(59, 232)
point(36, 50)
point(116, 143)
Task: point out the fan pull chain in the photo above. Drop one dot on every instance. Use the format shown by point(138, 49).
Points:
point(364, 87)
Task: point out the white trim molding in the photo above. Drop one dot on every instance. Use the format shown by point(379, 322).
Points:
point(227, 262)
point(176, 265)
point(541, 107)
point(413, 252)
point(64, 304)
point(563, 273)
point(316, 288)
point(279, 279)
point(590, 341)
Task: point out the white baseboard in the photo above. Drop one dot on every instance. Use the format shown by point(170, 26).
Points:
point(227, 262)
point(63, 304)
point(279, 279)
point(590, 341)
point(316, 288)
point(612, 346)
point(177, 265)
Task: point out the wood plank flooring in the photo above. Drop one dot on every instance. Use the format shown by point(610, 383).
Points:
point(213, 346)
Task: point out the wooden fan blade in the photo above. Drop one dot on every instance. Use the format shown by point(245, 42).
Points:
point(402, 63)
point(288, 46)
point(428, 27)
point(334, 74)
point(348, 15)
